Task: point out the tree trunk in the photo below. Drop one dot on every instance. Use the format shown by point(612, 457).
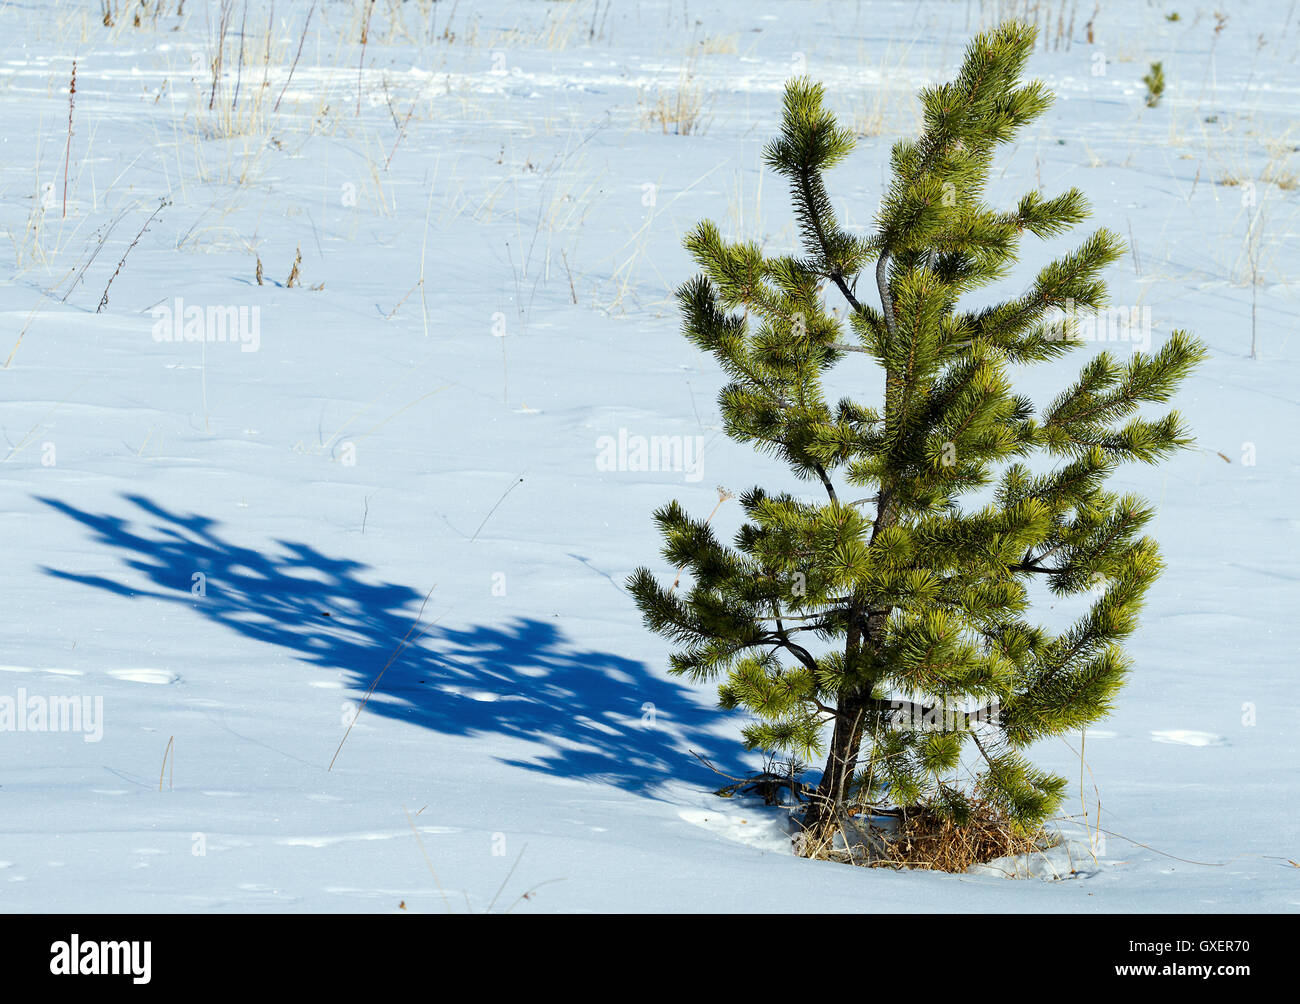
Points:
point(827, 807)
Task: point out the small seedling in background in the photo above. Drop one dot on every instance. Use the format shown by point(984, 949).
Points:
point(1155, 81)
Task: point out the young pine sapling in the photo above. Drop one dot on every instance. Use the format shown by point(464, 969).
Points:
point(894, 613)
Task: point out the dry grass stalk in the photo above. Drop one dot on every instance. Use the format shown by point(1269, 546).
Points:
point(391, 659)
point(224, 14)
point(239, 67)
point(401, 131)
point(393, 313)
point(723, 495)
point(680, 111)
point(103, 300)
point(365, 36)
point(102, 235)
point(573, 292)
point(266, 51)
point(72, 91)
point(294, 65)
point(168, 753)
point(294, 279)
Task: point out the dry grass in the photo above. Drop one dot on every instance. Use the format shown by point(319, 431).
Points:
point(928, 840)
point(885, 112)
point(1279, 170)
point(678, 111)
point(720, 45)
point(294, 276)
point(1237, 156)
point(239, 100)
point(119, 14)
point(889, 104)
point(563, 25)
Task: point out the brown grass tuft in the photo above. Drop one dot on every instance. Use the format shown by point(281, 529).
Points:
point(678, 112)
point(926, 839)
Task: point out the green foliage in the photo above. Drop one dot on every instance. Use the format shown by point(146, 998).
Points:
point(1155, 81)
point(902, 618)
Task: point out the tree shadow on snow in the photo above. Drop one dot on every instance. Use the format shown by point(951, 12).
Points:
point(596, 715)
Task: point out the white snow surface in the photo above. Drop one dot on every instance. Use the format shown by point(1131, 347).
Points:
point(222, 548)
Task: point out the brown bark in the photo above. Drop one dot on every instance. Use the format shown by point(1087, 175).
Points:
point(824, 812)
point(828, 804)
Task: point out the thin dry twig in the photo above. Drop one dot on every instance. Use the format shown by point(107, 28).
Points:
point(391, 659)
point(67, 154)
point(294, 65)
point(501, 888)
point(494, 508)
point(441, 892)
point(166, 752)
point(401, 131)
point(723, 495)
point(365, 33)
point(103, 300)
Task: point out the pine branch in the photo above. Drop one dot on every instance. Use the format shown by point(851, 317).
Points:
point(826, 481)
point(834, 274)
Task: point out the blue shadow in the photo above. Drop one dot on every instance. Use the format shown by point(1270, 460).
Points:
point(521, 678)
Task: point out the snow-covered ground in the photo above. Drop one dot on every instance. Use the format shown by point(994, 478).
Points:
point(218, 546)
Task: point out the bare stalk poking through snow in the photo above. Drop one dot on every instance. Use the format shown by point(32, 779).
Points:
point(72, 91)
point(391, 659)
point(103, 300)
point(294, 65)
point(168, 754)
point(365, 33)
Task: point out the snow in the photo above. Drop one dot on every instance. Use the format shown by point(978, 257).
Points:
point(226, 541)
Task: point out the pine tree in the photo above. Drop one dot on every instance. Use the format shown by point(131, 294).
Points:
point(895, 615)
point(1155, 81)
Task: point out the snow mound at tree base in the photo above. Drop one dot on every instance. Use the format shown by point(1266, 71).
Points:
point(1068, 859)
